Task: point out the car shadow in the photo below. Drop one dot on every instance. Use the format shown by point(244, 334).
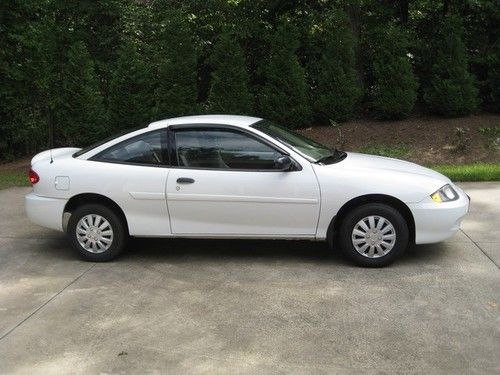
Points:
point(159, 250)
point(164, 249)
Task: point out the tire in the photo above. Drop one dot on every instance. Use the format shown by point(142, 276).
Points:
point(382, 222)
point(105, 237)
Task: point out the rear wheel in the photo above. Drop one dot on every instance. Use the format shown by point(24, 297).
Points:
point(96, 232)
point(373, 235)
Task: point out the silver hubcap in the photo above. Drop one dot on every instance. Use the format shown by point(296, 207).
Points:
point(373, 236)
point(94, 233)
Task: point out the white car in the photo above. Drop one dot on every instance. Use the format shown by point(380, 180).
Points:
point(239, 177)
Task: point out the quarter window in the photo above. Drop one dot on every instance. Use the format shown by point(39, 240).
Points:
point(149, 148)
point(222, 149)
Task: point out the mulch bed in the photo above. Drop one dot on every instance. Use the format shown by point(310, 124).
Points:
point(429, 140)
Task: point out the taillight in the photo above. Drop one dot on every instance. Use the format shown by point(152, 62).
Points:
point(33, 176)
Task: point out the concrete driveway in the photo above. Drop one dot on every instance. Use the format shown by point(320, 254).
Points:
point(195, 306)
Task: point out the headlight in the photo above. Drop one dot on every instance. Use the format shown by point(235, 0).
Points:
point(445, 194)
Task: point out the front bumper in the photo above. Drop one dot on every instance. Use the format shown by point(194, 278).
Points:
point(436, 222)
point(47, 212)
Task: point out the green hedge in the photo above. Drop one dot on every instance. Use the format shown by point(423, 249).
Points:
point(87, 69)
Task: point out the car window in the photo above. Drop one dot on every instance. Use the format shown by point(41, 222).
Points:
point(222, 149)
point(149, 148)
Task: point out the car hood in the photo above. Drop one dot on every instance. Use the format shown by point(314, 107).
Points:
point(355, 160)
point(360, 174)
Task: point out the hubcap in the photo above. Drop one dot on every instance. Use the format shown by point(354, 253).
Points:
point(94, 233)
point(373, 236)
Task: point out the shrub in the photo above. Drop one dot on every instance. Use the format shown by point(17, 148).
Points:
point(491, 136)
point(393, 90)
point(493, 80)
point(229, 91)
point(334, 82)
point(175, 94)
point(80, 111)
point(450, 90)
point(284, 95)
point(130, 97)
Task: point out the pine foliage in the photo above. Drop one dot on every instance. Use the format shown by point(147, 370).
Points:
point(393, 92)
point(229, 91)
point(284, 95)
point(130, 93)
point(335, 85)
point(450, 90)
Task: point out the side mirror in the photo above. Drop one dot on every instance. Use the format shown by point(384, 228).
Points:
point(283, 163)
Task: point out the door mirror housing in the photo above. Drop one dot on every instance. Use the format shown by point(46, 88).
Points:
point(283, 163)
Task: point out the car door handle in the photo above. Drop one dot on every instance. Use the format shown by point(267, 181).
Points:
point(185, 180)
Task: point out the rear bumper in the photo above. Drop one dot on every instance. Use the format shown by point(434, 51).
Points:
point(436, 222)
point(47, 212)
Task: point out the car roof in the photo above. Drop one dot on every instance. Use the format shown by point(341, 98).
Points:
point(243, 121)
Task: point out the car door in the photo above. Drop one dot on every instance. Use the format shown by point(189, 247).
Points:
point(133, 173)
point(224, 182)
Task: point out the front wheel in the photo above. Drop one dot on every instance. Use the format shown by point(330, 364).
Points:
point(96, 232)
point(373, 235)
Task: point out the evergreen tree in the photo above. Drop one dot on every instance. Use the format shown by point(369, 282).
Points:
point(482, 38)
point(229, 91)
point(284, 95)
point(175, 94)
point(79, 111)
point(394, 88)
point(335, 86)
point(130, 97)
point(493, 80)
point(450, 90)
point(22, 121)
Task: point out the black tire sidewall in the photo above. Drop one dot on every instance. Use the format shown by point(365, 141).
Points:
point(377, 209)
point(119, 232)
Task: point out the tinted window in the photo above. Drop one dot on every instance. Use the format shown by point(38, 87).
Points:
point(100, 143)
point(222, 149)
point(305, 146)
point(150, 148)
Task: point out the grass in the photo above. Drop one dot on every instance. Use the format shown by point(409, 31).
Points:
point(470, 172)
point(385, 150)
point(466, 172)
point(13, 178)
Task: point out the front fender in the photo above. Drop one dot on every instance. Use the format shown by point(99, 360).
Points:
point(340, 185)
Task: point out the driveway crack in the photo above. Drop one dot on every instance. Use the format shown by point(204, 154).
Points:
point(46, 302)
point(480, 248)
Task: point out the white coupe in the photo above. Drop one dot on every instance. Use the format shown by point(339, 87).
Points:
point(238, 177)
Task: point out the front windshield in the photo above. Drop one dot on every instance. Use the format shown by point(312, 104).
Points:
point(308, 148)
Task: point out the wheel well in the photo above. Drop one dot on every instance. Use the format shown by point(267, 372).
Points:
point(373, 198)
point(85, 198)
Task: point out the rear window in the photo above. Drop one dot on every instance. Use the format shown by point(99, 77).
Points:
point(105, 140)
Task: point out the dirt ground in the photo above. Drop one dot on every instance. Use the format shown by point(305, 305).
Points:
point(427, 140)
